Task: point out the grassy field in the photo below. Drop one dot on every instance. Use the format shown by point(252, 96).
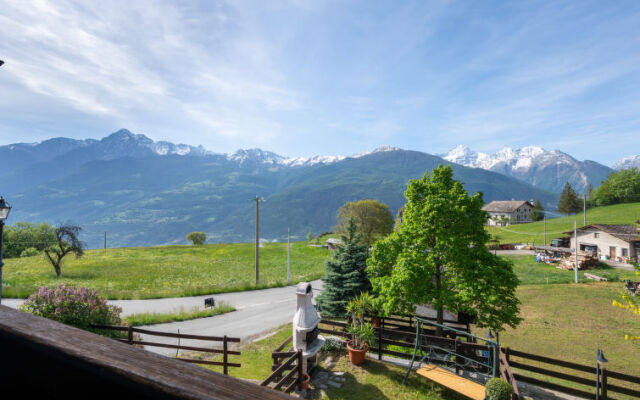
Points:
point(168, 271)
point(531, 273)
point(534, 232)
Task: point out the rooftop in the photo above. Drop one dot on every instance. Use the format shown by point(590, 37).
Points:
point(504, 205)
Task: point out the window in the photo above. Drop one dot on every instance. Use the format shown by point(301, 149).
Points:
point(625, 252)
point(596, 235)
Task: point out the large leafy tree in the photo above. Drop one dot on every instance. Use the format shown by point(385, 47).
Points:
point(373, 219)
point(27, 235)
point(619, 187)
point(346, 274)
point(439, 256)
point(569, 202)
point(67, 242)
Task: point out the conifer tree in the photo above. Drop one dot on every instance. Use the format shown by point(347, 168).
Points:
point(569, 202)
point(537, 214)
point(346, 274)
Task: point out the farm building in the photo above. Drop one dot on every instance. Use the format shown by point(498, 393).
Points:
point(617, 242)
point(508, 212)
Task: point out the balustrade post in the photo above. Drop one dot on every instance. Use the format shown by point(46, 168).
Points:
point(225, 367)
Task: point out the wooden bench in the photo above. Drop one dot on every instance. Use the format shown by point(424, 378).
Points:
point(453, 381)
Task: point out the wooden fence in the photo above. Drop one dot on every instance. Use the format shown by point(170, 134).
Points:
point(395, 335)
point(131, 339)
point(285, 362)
point(571, 378)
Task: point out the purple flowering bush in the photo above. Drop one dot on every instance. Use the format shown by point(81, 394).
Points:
point(72, 305)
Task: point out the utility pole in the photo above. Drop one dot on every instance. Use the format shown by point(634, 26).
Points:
point(288, 256)
point(584, 208)
point(544, 213)
point(258, 200)
point(105, 240)
point(575, 233)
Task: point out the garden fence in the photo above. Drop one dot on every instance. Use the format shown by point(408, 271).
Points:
point(225, 364)
point(285, 362)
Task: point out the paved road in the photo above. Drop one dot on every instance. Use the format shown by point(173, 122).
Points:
point(257, 312)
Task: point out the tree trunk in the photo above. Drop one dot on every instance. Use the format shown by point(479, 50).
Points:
point(57, 268)
point(440, 309)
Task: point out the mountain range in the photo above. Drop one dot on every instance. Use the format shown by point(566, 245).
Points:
point(142, 192)
point(544, 169)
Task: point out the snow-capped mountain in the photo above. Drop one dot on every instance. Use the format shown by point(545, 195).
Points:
point(627, 163)
point(545, 169)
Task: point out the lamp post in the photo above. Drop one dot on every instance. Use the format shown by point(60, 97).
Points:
point(5, 208)
point(600, 365)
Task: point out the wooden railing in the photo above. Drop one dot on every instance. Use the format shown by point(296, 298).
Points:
point(567, 375)
point(507, 374)
point(285, 362)
point(225, 364)
point(388, 336)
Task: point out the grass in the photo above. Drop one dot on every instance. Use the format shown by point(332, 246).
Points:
point(570, 322)
point(168, 271)
point(181, 315)
point(531, 273)
point(534, 232)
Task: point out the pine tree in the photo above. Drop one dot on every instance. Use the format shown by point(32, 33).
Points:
point(537, 214)
point(346, 274)
point(569, 202)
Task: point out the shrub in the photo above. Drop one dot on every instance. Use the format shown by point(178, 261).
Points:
point(498, 389)
point(76, 306)
point(29, 252)
point(197, 238)
point(332, 344)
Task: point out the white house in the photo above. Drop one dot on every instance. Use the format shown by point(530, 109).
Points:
point(618, 242)
point(508, 212)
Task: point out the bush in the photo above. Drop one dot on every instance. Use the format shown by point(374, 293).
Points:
point(332, 344)
point(75, 306)
point(29, 252)
point(498, 389)
point(197, 238)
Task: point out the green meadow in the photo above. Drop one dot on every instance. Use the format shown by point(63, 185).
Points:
point(168, 271)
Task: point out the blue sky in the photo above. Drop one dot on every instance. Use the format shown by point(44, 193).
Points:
point(326, 77)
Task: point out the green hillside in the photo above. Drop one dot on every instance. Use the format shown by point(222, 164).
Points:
point(168, 271)
point(534, 232)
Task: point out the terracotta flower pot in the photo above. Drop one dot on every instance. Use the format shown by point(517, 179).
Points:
point(356, 356)
point(305, 381)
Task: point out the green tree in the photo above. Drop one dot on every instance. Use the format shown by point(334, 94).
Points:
point(25, 235)
point(440, 257)
point(569, 202)
point(67, 242)
point(346, 274)
point(619, 187)
point(197, 238)
point(373, 219)
point(537, 214)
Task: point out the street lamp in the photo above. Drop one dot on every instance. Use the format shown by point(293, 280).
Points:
point(600, 364)
point(5, 208)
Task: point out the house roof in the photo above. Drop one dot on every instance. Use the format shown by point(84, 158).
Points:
point(334, 241)
point(504, 205)
point(626, 232)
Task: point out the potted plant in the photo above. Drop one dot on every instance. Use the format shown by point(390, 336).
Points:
point(362, 333)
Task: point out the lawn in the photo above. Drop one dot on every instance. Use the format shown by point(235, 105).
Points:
point(534, 232)
point(168, 271)
point(176, 316)
point(570, 322)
